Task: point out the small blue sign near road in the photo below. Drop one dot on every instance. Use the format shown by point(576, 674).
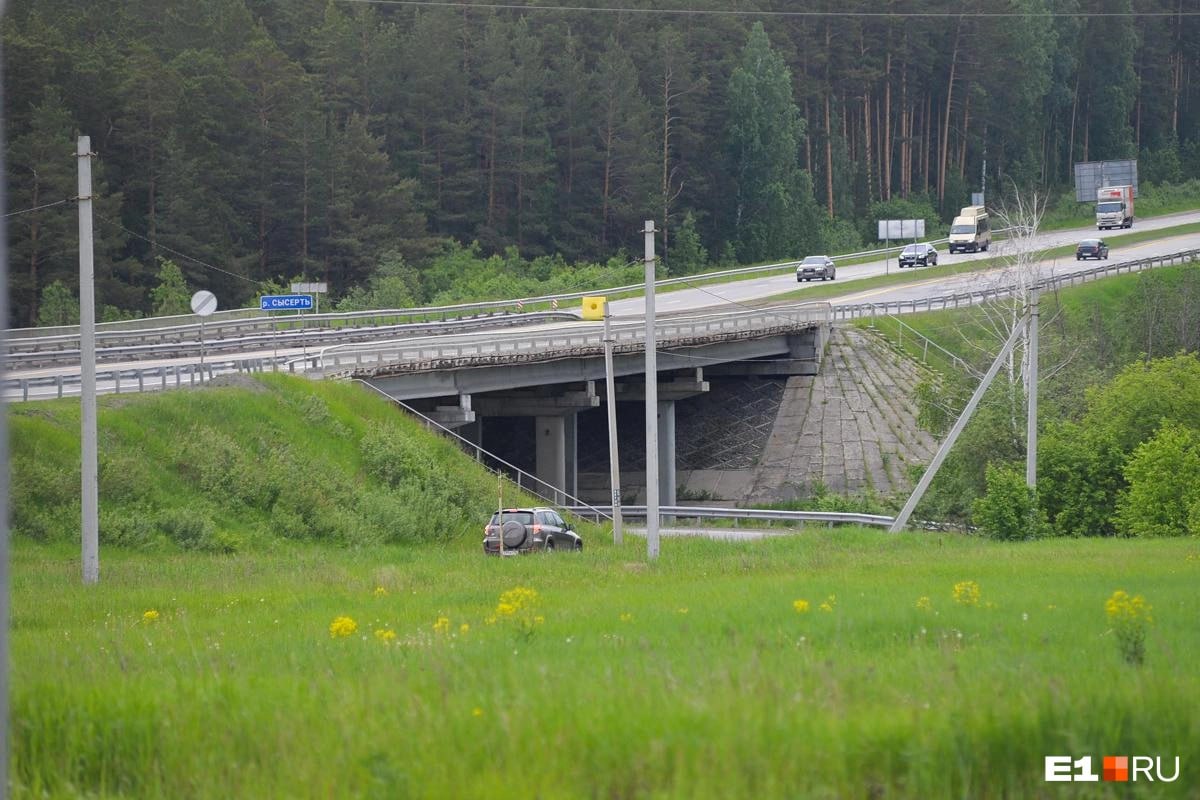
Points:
point(286, 302)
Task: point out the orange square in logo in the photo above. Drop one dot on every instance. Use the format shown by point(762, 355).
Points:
point(1116, 768)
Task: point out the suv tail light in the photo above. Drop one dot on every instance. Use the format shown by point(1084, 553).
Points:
point(536, 529)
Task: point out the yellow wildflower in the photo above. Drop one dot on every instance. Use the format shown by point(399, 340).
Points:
point(829, 603)
point(539, 619)
point(626, 617)
point(150, 616)
point(801, 606)
point(966, 593)
point(380, 591)
point(342, 626)
point(463, 629)
point(1129, 615)
point(385, 634)
point(442, 625)
point(477, 712)
point(924, 604)
point(681, 611)
point(1125, 608)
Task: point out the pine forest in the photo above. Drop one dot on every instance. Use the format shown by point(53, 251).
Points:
point(250, 142)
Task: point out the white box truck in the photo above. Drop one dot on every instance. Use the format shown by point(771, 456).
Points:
point(970, 231)
point(1114, 207)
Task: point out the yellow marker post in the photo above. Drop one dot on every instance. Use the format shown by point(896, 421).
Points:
point(593, 307)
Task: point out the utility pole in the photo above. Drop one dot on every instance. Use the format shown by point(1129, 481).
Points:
point(651, 403)
point(4, 473)
point(1031, 434)
point(87, 361)
point(614, 465)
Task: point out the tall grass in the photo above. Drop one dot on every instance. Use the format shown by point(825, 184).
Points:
point(692, 677)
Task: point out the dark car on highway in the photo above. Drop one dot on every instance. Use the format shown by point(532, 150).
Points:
point(527, 530)
point(1091, 248)
point(816, 267)
point(925, 255)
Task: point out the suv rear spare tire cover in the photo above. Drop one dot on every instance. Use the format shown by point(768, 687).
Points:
point(513, 533)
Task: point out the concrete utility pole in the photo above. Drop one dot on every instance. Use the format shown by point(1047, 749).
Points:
point(1031, 434)
point(4, 476)
point(651, 403)
point(614, 464)
point(87, 362)
point(926, 479)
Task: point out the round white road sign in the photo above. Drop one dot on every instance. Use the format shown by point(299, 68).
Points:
point(204, 302)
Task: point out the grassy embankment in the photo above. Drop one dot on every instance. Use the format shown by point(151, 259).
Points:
point(198, 674)
point(1073, 310)
point(226, 469)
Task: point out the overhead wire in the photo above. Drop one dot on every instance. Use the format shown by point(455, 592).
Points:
point(161, 246)
point(730, 12)
point(39, 208)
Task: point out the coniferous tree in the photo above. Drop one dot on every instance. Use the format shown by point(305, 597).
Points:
point(171, 295)
point(41, 170)
point(765, 133)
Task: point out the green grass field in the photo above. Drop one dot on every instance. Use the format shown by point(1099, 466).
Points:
point(695, 677)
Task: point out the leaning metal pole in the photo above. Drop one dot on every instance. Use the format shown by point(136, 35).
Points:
point(651, 404)
point(902, 520)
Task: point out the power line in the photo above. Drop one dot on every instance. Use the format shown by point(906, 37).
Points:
point(717, 12)
point(39, 208)
point(204, 264)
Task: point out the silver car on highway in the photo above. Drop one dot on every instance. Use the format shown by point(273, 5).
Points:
point(816, 267)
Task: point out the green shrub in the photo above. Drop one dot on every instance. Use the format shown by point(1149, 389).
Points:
point(123, 477)
point(1009, 509)
point(1079, 479)
point(187, 528)
point(1164, 483)
point(393, 458)
point(44, 499)
point(126, 527)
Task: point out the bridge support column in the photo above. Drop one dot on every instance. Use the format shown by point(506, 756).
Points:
point(666, 452)
point(551, 456)
point(571, 453)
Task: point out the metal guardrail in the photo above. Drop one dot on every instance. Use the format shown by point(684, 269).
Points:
point(140, 379)
point(736, 514)
point(942, 302)
point(763, 321)
point(185, 340)
point(247, 320)
point(346, 358)
point(926, 342)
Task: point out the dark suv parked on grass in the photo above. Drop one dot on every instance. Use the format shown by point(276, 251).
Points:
point(525, 530)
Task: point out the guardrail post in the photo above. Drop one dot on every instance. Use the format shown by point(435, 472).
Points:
point(24, 390)
point(59, 382)
point(116, 373)
point(141, 384)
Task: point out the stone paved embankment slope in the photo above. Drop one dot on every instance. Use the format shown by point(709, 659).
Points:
point(852, 428)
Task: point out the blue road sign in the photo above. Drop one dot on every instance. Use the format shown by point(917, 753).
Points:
point(286, 302)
